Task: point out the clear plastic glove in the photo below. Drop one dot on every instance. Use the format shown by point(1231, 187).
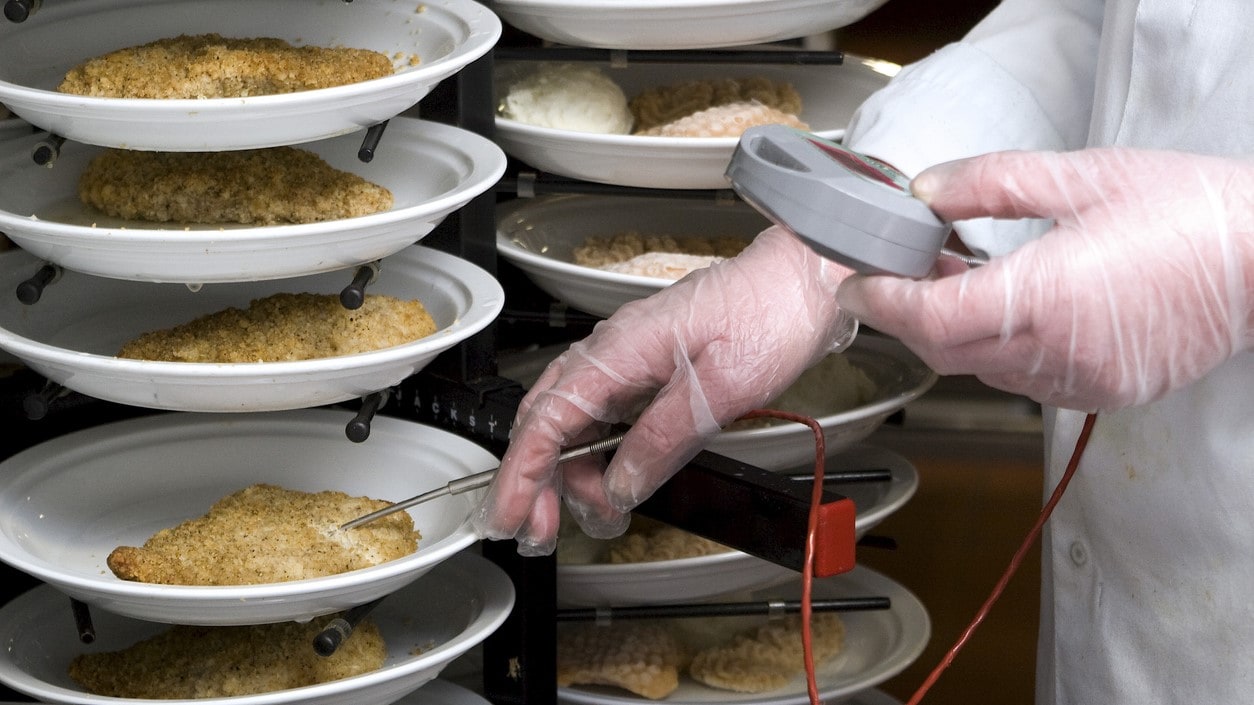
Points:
point(687, 360)
point(1143, 285)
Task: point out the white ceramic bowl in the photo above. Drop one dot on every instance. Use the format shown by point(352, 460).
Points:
point(41, 212)
point(72, 334)
point(702, 578)
point(898, 375)
point(679, 24)
point(899, 378)
point(67, 503)
point(878, 645)
point(445, 35)
point(539, 237)
point(426, 625)
point(830, 95)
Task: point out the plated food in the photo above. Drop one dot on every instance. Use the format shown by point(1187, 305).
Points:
point(829, 96)
point(250, 187)
point(585, 98)
point(424, 627)
point(286, 326)
point(185, 662)
point(425, 43)
point(265, 533)
point(582, 250)
point(875, 645)
point(83, 321)
point(42, 211)
point(71, 501)
point(212, 66)
point(646, 658)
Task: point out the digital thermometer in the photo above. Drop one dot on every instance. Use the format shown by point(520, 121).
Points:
point(849, 207)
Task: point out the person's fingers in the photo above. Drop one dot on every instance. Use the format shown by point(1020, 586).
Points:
point(651, 451)
point(971, 306)
point(1004, 185)
point(583, 492)
point(537, 534)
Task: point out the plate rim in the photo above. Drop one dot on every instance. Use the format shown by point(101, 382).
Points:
point(137, 432)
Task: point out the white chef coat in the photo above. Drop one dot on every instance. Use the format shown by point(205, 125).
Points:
point(1148, 585)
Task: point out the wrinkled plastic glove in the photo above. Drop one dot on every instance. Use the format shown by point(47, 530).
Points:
point(687, 360)
point(1143, 284)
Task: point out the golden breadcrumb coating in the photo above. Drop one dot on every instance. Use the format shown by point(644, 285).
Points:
point(187, 662)
point(284, 327)
point(268, 534)
point(649, 540)
point(254, 186)
point(213, 66)
point(600, 250)
point(666, 104)
point(642, 657)
point(727, 120)
point(767, 657)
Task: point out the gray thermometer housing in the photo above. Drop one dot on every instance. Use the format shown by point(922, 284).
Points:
point(848, 207)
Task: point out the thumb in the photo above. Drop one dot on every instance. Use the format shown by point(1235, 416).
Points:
point(1003, 185)
point(879, 301)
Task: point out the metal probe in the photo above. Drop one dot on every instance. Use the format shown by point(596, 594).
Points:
point(481, 479)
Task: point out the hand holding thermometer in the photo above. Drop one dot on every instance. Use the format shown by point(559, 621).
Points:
point(849, 207)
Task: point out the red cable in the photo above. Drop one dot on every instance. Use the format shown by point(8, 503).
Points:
point(948, 658)
point(812, 527)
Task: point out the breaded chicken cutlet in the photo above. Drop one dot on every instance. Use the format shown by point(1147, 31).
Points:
point(252, 187)
point(188, 662)
point(666, 104)
point(285, 327)
point(268, 534)
point(213, 66)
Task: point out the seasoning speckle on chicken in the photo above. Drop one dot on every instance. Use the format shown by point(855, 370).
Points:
point(268, 534)
point(212, 66)
point(269, 186)
point(284, 327)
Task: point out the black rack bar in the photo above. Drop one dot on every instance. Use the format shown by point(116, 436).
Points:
point(354, 295)
point(20, 10)
point(82, 621)
point(720, 609)
point(622, 57)
point(358, 428)
point(370, 142)
point(45, 151)
point(31, 290)
point(339, 629)
point(528, 184)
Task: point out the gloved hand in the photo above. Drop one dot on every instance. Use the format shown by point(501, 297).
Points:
point(689, 359)
point(1143, 285)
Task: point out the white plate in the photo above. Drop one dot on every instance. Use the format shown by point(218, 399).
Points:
point(899, 378)
point(830, 95)
point(455, 606)
point(446, 35)
point(704, 577)
point(442, 692)
point(898, 375)
point(679, 24)
point(879, 644)
point(41, 212)
point(71, 335)
point(67, 503)
point(540, 235)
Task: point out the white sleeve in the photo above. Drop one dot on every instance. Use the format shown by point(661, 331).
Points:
point(1023, 78)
